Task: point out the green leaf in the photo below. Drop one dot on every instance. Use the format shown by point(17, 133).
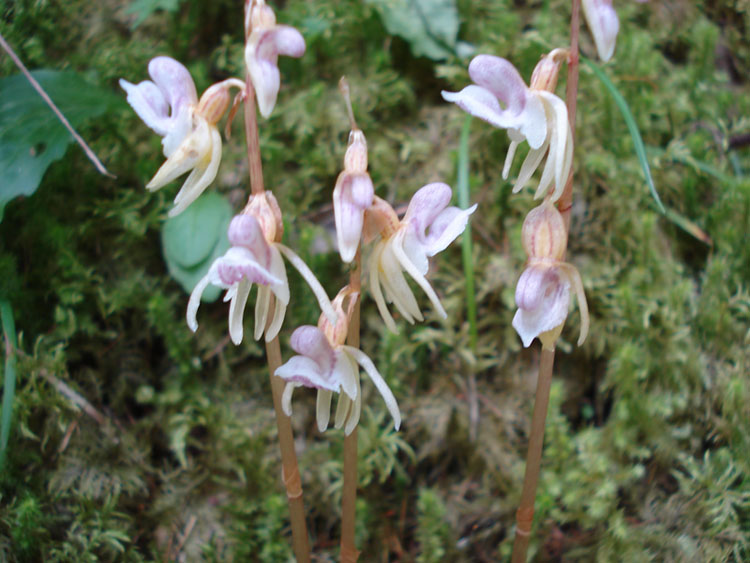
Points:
point(142, 9)
point(9, 380)
point(31, 137)
point(429, 26)
point(640, 149)
point(194, 239)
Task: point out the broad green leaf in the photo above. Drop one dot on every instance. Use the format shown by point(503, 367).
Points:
point(622, 105)
point(31, 137)
point(194, 239)
point(429, 26)
point(142, 9)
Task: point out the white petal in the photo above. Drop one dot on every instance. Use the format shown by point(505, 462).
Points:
point(286, 398)
point(279, 311)
point(397, 290)
point(346, 373)
point(509, 158)
point(200, 178)
point(323, 409)
point(195, 148)
point(175, 82)
point(304, 371)
point(320, 294)
point(534, 124)
point(262, 303)
point(551, 313)
point(343, 408)
point(375, 290)
point(353, 419)
point(529, 166)
point(447, 227)
point(418, 277)
point(575, 280)
point(149, 104)
point(603, 24)
point(380, 384)
point(483, 104)
point(237, 311)
point(195, 301)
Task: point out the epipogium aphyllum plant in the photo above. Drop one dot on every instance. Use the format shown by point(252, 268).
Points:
point(328, 355)
point(535, 114)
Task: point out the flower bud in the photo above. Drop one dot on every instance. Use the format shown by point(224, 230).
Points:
point(214, 103)
point(543, 234)
point(547, 70)
point(265, 209)
point(259, 16)
point(355, 159)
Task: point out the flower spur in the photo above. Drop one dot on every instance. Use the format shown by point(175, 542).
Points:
point(169, 105)
point(533, 114)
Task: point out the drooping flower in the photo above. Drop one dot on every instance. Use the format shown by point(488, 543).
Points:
point(352, 195)
point(169, 105)
point(255, 258)
point(603, 24)
point(428, 227)
point(328, 365)
point(543, 290)
point(535, 114)
point(265, 42)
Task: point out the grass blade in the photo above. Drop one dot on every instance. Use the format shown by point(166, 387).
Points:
point(9, 381)
point(463, 202)
point(640, 149)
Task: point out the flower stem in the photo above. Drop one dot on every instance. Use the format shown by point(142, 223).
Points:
point(253, 142)
point(349, 552)
point(290, 469)
point(525, 513)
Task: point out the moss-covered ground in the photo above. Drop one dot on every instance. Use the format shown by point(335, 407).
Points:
point(647, 454)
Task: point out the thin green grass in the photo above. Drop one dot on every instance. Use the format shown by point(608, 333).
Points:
point(9, 382)
point(462, 181)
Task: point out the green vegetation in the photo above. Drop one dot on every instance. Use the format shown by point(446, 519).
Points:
point(647, 453)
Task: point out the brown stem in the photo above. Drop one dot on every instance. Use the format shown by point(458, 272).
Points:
point(290, 469)
point(525, 513)
point(349, 552)
point(571, 98)
point(253, 142)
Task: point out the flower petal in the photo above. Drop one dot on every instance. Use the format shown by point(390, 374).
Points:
point(397, 290)
point(237, 311)
point(320, 294)
point(378, 381)
point(200, 178)
point(425, 205)
point(261, 55)
point(195, 148)
point(351, 196)
point(375, 289)
point(417, 276)
point(323, 409)
point(575, 280)
point(175, 82)
point(447, 227)
point(346, 373)
point(286, 398)
point(500, 77)
point(310, 341)
point(262, 304)
point(149, 104)
point(239, 263)
point(279, 312)
point(483, 104)
point(245, 230)
point(305, 371)
point(553, 298)
point(603, 24)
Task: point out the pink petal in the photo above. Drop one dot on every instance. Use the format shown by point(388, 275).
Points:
point(351, 196)
point(245, 231)
point(281, 40)
point(482, 103)
point(174, 80)
point(304, 371)
point(603, 24)
point(239, 263)
point(446, 228)
point(426, 204)
point(311, 342)
point(542, 298)
point(149, 103)
point(500, 77)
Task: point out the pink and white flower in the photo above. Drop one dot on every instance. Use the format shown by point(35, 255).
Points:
point(268, 40)
point(169, 105)
point(428, 227)
point(352, 195)
point(252, 259)
point(500, 97)
point(603, 23)
point(543, 290)
point(332, 368)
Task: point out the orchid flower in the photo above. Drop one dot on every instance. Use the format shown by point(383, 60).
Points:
point(543, 290)
point(328, 365)
point(406, 246)
point(533, 114)
point(254, 258)
point(265, 42)
point(169, 105)
point(352, 195)
point(603, 24)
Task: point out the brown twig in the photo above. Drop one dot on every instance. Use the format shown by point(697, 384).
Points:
point(89, 153)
